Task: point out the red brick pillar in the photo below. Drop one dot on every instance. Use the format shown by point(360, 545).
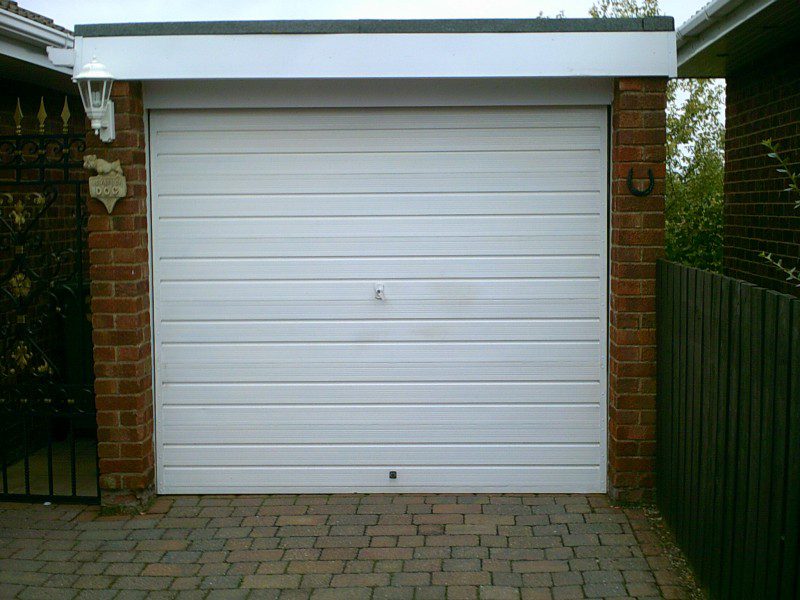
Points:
point(638, 140)
point(120, 290)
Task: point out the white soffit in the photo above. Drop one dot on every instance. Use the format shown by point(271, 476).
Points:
point(331, 93)
point(381, 55)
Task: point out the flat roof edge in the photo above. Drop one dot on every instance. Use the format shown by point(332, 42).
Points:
point(584, 25)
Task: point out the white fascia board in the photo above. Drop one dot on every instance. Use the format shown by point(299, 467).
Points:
point(27, 40)
point(412, 55)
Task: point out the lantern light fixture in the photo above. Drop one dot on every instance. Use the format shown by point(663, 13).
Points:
point(94, 84)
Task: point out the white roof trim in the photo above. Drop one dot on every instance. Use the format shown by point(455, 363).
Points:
point(28, 40)
point(380, 55)
point(712, 23)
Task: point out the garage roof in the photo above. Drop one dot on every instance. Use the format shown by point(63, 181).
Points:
point(379, 26)
point(378, 49)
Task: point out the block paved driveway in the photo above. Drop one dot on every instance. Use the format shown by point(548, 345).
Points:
point(341, 546)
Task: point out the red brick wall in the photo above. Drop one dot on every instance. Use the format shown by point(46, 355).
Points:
point(763, 101)
point(121, 314)
point(638, 138)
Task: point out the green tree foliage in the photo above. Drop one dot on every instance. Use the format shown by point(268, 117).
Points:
point(624, 8)
point(695, 169)
point(695, 156)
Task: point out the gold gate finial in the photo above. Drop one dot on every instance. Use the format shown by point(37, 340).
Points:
point(41, 116)
point(65, 115)
point(18, 117)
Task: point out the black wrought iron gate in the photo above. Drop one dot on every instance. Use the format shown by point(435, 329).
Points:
point(48, 431)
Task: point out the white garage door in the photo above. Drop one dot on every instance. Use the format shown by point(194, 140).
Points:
point(380, 299)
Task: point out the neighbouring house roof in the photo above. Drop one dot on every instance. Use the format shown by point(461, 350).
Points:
point(25, 37)
point(14, 7)
point(449, 48)
point(379, 26)
point(727, 34)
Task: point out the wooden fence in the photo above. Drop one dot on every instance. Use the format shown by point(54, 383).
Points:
point(729, 431)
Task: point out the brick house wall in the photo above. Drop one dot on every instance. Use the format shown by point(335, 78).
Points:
point(763, 101)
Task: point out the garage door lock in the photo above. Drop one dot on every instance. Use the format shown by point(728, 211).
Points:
point(379, 295)
point(392, 474)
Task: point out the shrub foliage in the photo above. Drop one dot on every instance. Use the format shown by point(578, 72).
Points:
point(695, 156)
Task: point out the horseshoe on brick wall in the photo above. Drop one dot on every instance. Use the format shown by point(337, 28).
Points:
point(636, 191)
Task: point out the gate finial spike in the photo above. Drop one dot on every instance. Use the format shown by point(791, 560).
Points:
point(41, 115)
point(18, 117)
point(65, 115)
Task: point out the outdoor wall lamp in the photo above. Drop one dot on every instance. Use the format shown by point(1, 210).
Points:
point(94, 83)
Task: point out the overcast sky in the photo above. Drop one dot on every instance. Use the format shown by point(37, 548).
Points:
point(69, 12)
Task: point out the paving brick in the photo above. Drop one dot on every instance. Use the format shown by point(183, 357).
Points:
point(351, 580)
point(316, 566)
point(603, 576)
point(642, 589)
point(386, 553)
point(568, 592)
point(435, 552)
point(568, 578)
point(142, 583)
point(359, 566)
point(601, 590)
point(171, 570)
point(123, 569)
point(342, 594)
point(399, 593)
point(254, 555)
point(181, 556)
point(316, 580)
point(271, 581)
point(430, 593)
point(461, 564)
point(186, 583)
point(221, 582)
point(46, 593)
point(227, 595)
point(461, 578)
point(462, 592)
point(539, 566)
point(537, 594)
point(102, 594)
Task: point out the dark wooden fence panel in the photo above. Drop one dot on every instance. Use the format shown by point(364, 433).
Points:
point(729, 431)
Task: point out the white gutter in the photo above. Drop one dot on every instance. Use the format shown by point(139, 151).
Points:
point(28, 40)
point(704, 17)
point(32, 32)
point(712, 23)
